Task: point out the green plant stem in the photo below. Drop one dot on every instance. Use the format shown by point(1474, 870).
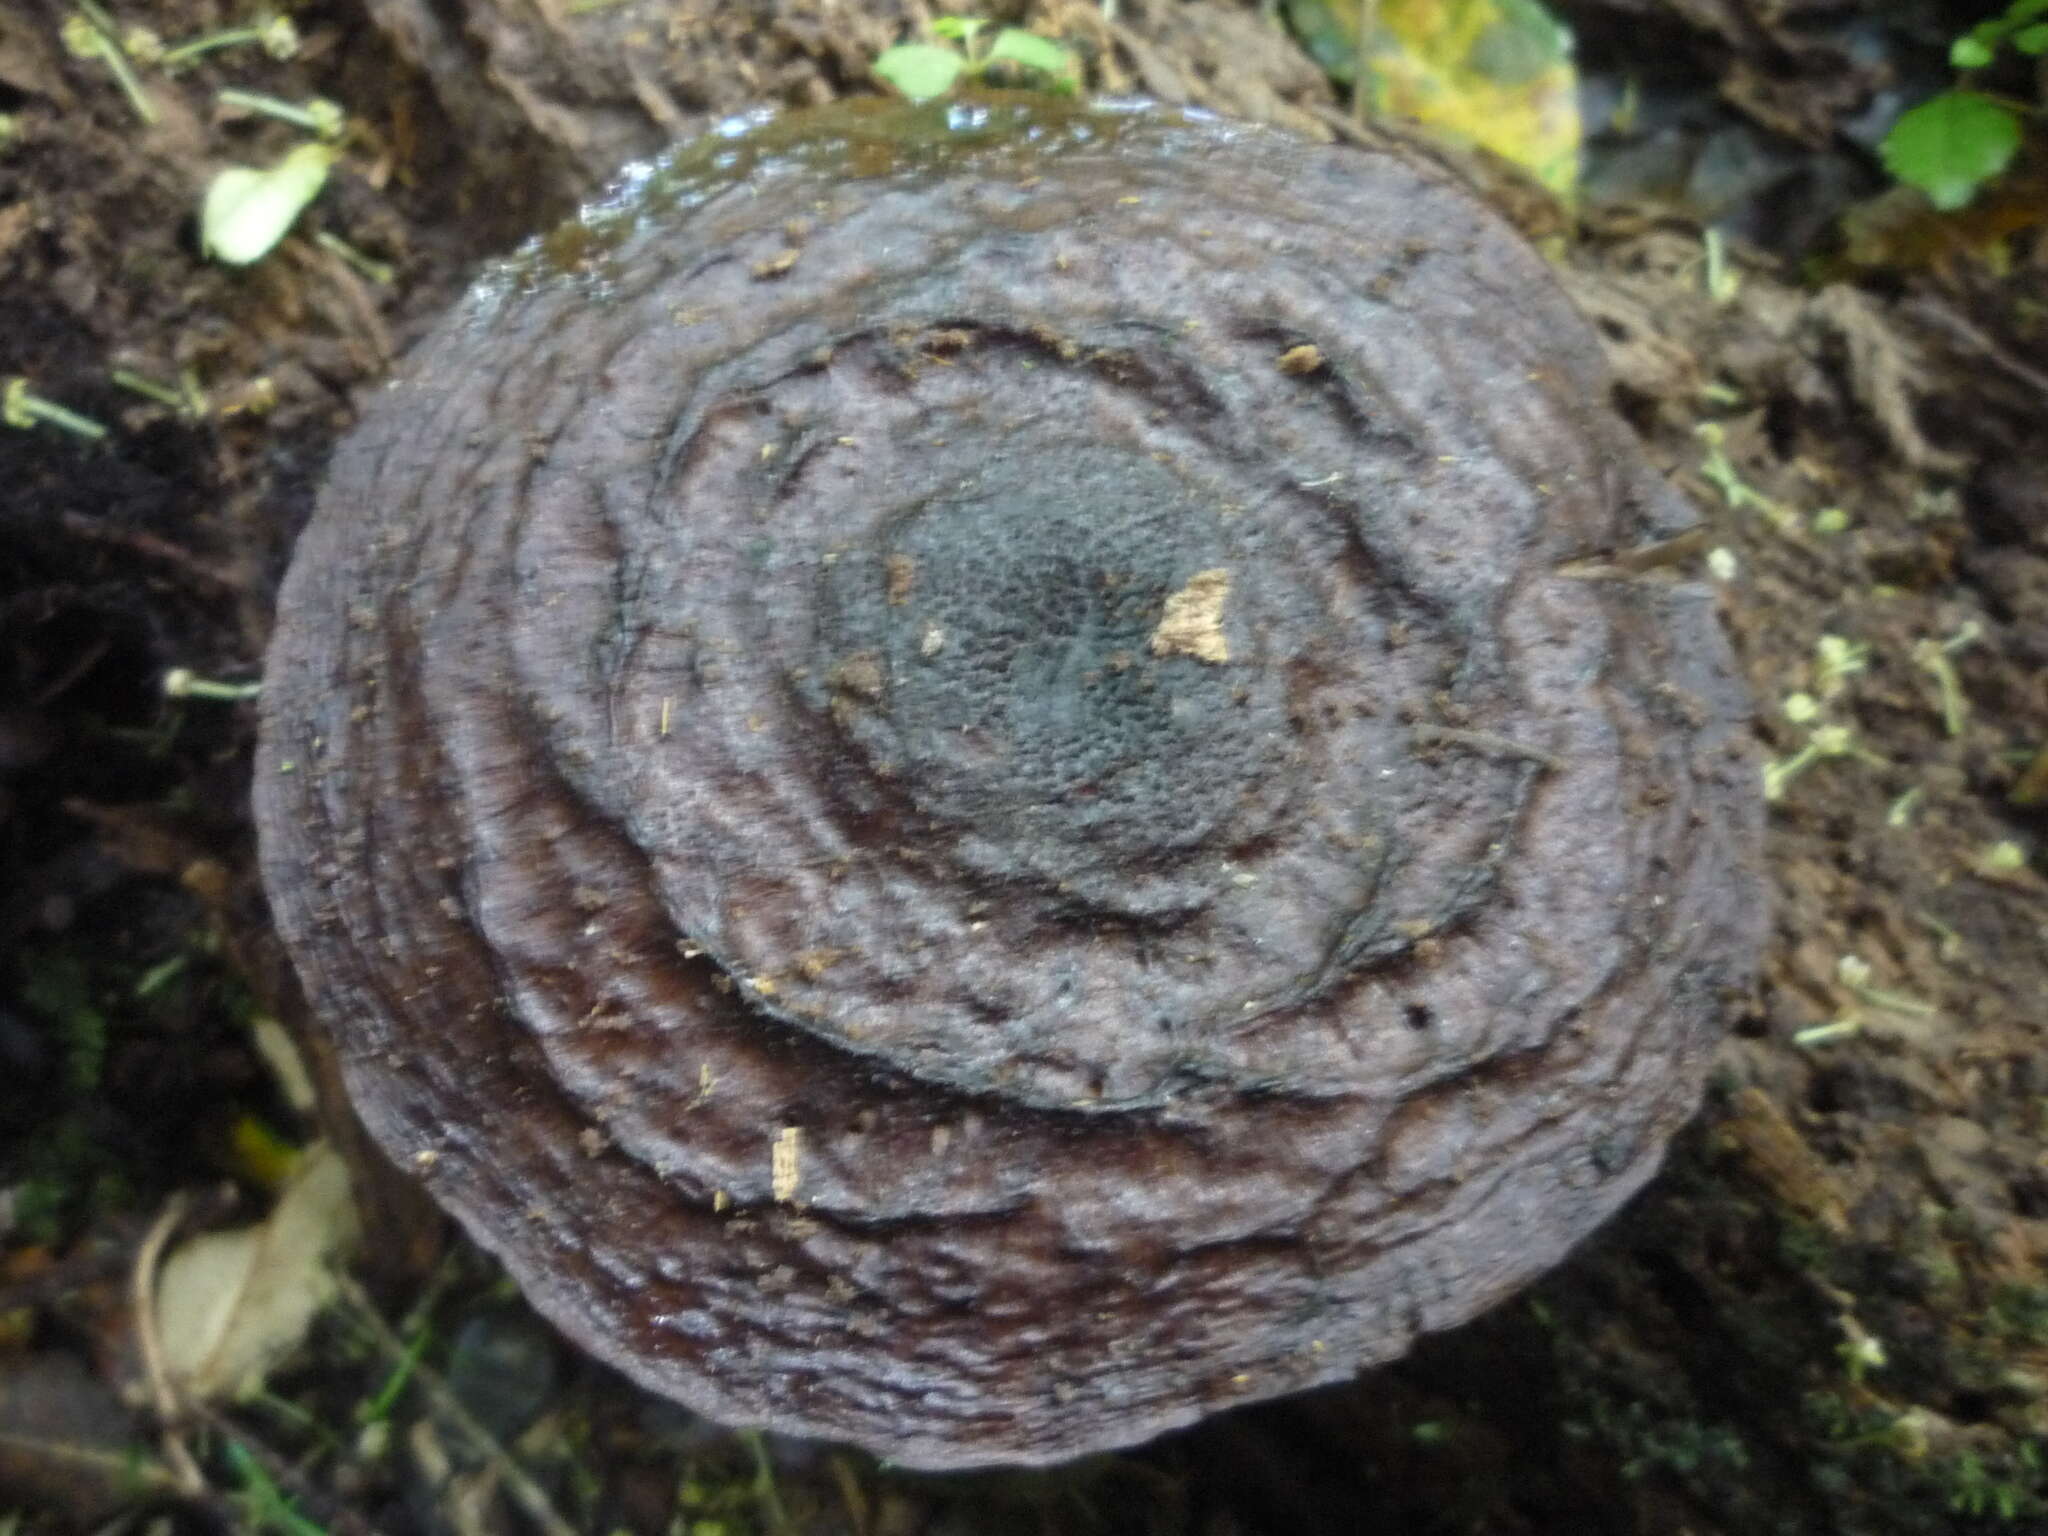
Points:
point(234, 37)
point(319, 117)
point(183, 683)
point(19, 408)
point(376, 271)
point(89, 34)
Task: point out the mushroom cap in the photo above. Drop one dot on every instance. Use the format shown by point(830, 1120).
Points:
point(979, 778)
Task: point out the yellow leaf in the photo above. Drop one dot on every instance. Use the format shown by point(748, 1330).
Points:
point(1495, 73)
point(230, 1305)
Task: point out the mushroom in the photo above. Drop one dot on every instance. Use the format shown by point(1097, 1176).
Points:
point(981, 778)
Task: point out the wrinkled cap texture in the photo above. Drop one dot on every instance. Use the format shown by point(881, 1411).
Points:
point(982, 778)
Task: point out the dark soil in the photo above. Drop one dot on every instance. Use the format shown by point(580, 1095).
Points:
point(1829, 1313)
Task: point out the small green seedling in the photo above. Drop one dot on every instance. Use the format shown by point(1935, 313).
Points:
point(246, 212)
point(22, 410)
point(143, 45)
point(1843, 1027)
point(1836, 660)
point(2001, 861)
point(924, 71)
point(2024, 24)
point(275, 34)
point(1719, 471)
point(1860, 1351)
point(1932, 657)
point(1853, 973)
point(1824, 742)
point(187, 398)
point(184, 683)
point(88, 33)
point(1952, 144)
point(319, 116)
point(265, 1505)
point(1949, 947)
point(376, 271)
point(1723, 281)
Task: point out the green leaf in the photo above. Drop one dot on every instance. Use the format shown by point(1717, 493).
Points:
point(1951, 145)
point(2032, 41)
point(1329, 38)
point(246, 212)
point(919, 70)
point(1027, 50)
point(1521, 46)
point(1970, 51)
point(960, 28)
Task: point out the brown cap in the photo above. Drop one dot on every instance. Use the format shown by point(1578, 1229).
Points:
point(976, 778)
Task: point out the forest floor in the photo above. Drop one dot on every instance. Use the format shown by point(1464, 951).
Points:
point(1828, 1314)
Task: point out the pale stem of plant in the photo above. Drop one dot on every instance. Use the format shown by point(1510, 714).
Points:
point(1823, 1034)
point(183, 683)
point(1949, 946)
point(1825, 742)
point(1932, 657)
point(1836, 660)
point(1723, 281)
point(1718, 470)
point(376, 271)
point(88, 33)
point(187, 399)
point(19, 408)
point(280, 39)
point(1853, 972)
point(318, 116)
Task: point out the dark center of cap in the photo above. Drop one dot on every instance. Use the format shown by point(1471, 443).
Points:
point(1066, 676)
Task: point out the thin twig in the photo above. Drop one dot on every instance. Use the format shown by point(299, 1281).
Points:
point(290, 1480)
point(163, 1394)
point(1943, 317)
point(120, 1468)
point(445, 1405)
point(1488, 744)
point(1640, 560)
point(150, 546)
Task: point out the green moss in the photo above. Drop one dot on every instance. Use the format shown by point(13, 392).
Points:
point(1803, 1245)
point(67, 1172)
point(90, 1125)
point(1646, 1442)
point(2001, 1487)
point(55, 985)
point(2018, 1313)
